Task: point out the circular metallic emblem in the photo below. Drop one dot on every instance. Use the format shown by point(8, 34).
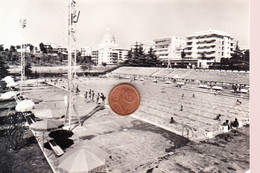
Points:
point(124, 99)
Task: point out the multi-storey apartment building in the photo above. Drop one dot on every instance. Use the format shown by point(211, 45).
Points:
point(208, 47)
point(169, 48)
point(86, 51)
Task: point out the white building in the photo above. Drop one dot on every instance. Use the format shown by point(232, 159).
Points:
point(108, 51)
point(169, 48)
point(86, 51)
point(208, 47)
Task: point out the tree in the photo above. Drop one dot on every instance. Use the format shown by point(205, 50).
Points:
point(1, 47)
point(246, 55)
point(224, 61)
point(28, 69)
point(3, 67)
point(18, 47)
point(31, 47)
point(183, 54)
point(129, 56)
point(238, 54)
point(78, 58)
point(42, 48)
point(12, 48)
point(152, 59)
point(137, 57)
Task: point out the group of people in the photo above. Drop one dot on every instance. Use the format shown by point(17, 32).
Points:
point(231, 124)
point(237, 88)
point(94, 97)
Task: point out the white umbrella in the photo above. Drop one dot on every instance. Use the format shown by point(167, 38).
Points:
point(24, 106)
point(82, 160)
point(8, 79)
point(47, 113)
point(8, 95)
point(13, 84)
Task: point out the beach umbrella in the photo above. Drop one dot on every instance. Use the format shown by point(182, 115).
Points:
point(8, 95)
point(46, 125)
point(47, 113)
point(8, 79)
point(82, 160)
point(60, 134)
point(25, 106)
point(13, 84)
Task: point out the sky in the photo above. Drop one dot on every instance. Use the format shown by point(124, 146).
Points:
point(128, 20)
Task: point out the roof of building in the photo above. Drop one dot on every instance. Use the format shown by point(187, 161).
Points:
point(168, 38)
point(208, 32)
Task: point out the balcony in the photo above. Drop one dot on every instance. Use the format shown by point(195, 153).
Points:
point(206, 41)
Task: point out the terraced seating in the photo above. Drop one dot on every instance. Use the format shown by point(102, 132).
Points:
point(202, 75)
point(162, 72)
point(140, 71)
point(210, 75)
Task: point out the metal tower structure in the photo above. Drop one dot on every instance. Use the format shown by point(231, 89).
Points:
point(72, 21)
point(23, 25)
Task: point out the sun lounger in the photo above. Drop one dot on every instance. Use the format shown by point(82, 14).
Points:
point(56, 148)
point(29, 120)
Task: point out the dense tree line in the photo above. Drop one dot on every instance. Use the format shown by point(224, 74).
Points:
point(239, 60)
point(137, 57)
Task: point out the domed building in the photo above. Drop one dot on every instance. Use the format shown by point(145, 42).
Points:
point(108, 40)
point(108, 52)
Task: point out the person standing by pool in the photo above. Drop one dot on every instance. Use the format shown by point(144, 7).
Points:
point(77, 90)
point(98, 95)
point(86, 96)
point(89, 94)
point(103, 98)
point(93, 95)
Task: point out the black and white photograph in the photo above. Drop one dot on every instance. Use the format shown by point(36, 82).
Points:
point(124, 86)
